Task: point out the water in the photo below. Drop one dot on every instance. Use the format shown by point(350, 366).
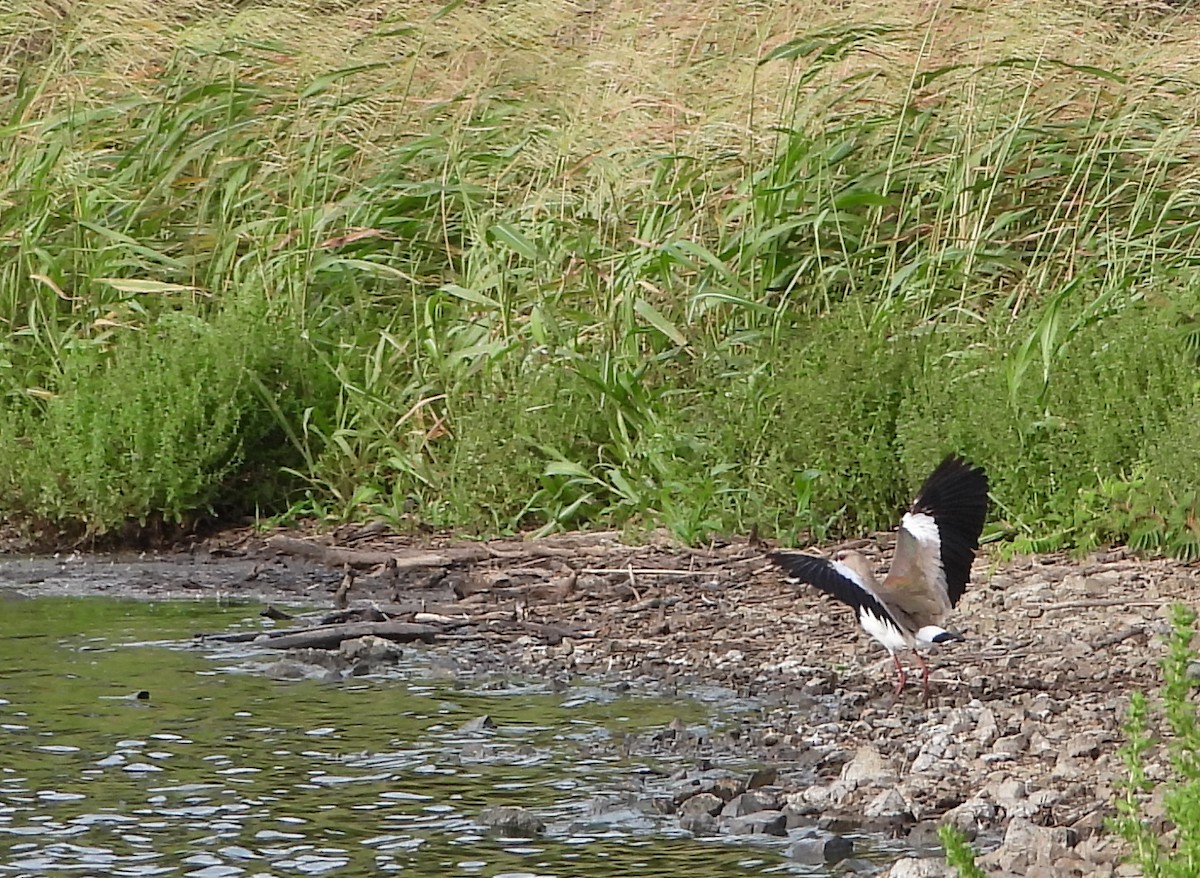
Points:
point(226, 772)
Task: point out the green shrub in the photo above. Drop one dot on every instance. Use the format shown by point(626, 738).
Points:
point(1173, 720)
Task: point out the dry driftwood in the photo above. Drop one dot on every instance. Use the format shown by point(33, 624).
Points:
point(336, 556)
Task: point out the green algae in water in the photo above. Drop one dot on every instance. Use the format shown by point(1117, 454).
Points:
point(222, 773)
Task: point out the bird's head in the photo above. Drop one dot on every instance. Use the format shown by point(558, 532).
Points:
point(857, 564)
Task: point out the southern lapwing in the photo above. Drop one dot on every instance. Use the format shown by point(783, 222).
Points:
point(934, 550)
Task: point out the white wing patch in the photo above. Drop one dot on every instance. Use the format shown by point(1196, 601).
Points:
point(884, 631)
point(924, 528)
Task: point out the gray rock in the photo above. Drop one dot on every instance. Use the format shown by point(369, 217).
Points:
point(921, 867)
point(762, 777)
point(759, 823)
point(1011, 745)
point(511, 821)
point(698, 823)
point(702, 803)
point(479, 724)
point(925, 836)
point(1026, 845)
point(1085, 744)
point(372, 650)
point(750, 802)
point(868, 767)
point(971, 816)
point(815, 848)
point(888, 803)
point(857, 867)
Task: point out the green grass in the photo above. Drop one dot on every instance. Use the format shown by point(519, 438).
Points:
point(493, 272)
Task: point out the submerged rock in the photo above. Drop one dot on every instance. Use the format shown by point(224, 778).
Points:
point(511, 821)
point(815, 847)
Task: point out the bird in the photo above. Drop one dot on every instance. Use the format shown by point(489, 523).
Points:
point(935, 546)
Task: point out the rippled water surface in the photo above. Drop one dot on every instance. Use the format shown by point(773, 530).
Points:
point(226, 772)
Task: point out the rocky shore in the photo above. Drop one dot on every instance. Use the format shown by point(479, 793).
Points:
point(1018, 747)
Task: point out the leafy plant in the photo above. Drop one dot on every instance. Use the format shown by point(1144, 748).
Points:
point(1175, 721)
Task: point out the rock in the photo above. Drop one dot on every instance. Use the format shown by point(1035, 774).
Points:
point(479, 724)
point(925, 835)
point(857, 867)
point(820, 798)
point(759, 823)
point(699, 823)
point(868, 767)
point(1011, 745)
point(372, 650)
point(889, 803)
point(921, 867)
point(815, 848)
point(511, 821)
point(762, 777)
point(1085, 744)
point(986, 730)
point(1025, 845)
point(750, 802)
point(971, 816)
point(702, 803)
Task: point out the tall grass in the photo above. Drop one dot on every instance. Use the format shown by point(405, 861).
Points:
point(235, 281)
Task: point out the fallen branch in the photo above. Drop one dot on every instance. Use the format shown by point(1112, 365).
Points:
point(336, 556)
point(1087, 605)
point(645, 571)
point(331, 636)
point(1114, 639)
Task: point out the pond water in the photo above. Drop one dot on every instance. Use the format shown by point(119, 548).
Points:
point(224, 771)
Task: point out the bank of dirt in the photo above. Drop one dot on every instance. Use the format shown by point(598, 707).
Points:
point(1019, 743)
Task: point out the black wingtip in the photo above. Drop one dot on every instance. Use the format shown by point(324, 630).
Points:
point(956, 495)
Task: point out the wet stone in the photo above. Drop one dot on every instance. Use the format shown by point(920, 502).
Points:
point(511, 821)
point(856, 867)
point(750, 802)
point(759, 823)
point(702, 803)
point(814, 848)
point(700, 823)
point(479, 724)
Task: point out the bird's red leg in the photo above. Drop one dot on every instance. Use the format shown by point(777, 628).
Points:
point(901, 675)
point(924, 674)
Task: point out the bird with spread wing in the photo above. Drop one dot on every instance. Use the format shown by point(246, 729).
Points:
point(935, 547)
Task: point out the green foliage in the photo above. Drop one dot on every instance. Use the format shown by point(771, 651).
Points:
point(1174, 721)
point(162, 424)
point(231, 286)
point(959, 853)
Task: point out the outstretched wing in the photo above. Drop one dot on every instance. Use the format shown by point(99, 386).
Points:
point(834, 578)
point(939, 536)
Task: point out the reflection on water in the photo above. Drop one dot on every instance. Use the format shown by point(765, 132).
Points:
point(227, 773)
